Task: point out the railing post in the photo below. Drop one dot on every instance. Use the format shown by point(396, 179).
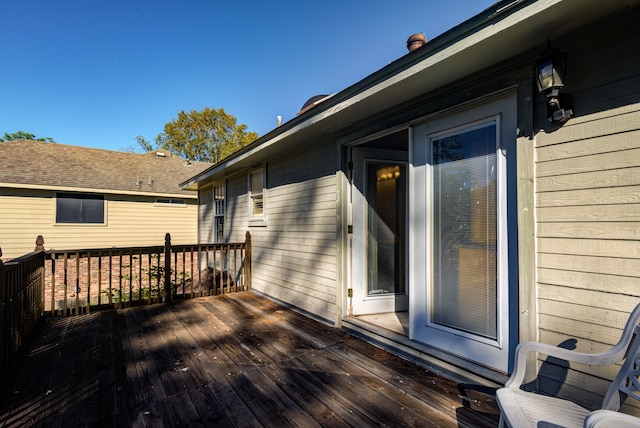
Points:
point(39, 243)
point(247, 260)
point(167, 268)
point(40, 247)
point(3, 334)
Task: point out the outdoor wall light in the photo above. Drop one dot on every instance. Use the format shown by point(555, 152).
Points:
point(551, 70)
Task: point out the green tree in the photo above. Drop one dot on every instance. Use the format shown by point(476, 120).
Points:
point(209, 135)
point(21, 135)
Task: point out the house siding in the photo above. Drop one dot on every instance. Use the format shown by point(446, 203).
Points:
point(578, 189)
point(130, 221)
point(294, 252)
point(587, 180)
point(206, 211)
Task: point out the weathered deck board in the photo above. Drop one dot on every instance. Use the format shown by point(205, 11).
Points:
point(232, 360)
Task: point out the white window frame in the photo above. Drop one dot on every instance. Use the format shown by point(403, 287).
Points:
point(219, 191)
point(489, 353)
point(170, 202)
point(253, 197)
point(501, 216)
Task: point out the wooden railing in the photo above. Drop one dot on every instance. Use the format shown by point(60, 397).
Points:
point(81, 280)
point(61, 283)
point(21, 304)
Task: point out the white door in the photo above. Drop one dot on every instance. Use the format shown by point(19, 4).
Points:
point(379, 252)
point(459, 251)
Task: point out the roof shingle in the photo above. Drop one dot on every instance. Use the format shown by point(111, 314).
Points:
point(38, 163)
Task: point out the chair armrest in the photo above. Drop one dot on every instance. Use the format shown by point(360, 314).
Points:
point(614, 355)
point(609, 418)
point(611, 356)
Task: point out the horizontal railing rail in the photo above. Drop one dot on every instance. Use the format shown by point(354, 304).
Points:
point(21, 304)
point(81, 280)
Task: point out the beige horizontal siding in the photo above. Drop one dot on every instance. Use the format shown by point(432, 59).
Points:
point(294, 252)
point(624, 286)
point(601, 230)
point(588, 197)
point(588, 242)
point(130, 221)
point(206, 211)
point(587, 184)
point(614, 143)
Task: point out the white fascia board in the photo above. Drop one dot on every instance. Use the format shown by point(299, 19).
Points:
point(95, 190)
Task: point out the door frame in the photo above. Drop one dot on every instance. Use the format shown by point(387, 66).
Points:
point(361, 303)
point(491, 353)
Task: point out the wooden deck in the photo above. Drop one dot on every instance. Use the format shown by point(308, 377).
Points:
point(231, 360)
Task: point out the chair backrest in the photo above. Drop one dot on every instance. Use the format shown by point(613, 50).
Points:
point(626, 383)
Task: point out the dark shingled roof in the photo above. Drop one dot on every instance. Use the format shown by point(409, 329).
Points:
point(37, 163)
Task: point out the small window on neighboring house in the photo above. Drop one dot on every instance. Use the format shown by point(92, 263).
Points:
point(256, 196)
point(173, 202)
point(218, 211)
point(79, 208)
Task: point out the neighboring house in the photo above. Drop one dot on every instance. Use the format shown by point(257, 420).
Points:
point(79, 197)
point(433, 208)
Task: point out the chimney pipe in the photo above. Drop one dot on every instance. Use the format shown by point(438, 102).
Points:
point(416, 41)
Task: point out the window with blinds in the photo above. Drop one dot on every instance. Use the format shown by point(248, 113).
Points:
point(218, 211)
point(256, 195)
point(464, 230)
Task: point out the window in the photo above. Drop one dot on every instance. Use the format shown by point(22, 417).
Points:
point(174, 202)
point(464, 207)
point(218, 212)
point(78, 208)
point(256, 196)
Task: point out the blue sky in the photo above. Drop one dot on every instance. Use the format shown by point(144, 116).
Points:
point(97, 73)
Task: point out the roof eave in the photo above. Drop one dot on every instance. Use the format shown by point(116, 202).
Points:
point(500, 32)
point(95, 190)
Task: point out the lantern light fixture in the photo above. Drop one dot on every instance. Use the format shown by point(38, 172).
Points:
point(551, 70)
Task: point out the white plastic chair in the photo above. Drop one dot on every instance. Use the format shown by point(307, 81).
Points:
point(519, 408)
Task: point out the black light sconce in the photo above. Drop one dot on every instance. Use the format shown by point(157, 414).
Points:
point(551, 70)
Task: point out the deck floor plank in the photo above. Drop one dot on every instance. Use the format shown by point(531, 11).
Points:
point(443, 394)
point(234, 360)
point(372, 396)
point(24, 385)
point(271, 405)
point(196, 363)
point(72, 381)
point(207, 333)
point(264, 340)
point(145, 389)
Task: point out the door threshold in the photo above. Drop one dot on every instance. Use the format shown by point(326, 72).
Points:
point(397, 322)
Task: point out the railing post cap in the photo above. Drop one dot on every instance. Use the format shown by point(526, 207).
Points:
point(39, 243)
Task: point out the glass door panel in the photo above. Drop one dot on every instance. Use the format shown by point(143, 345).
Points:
point(463, 296)
point(379, 252)
point(464, 231)
point(386, 204)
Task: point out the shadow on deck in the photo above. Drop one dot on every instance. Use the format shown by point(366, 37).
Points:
point(231, 360)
